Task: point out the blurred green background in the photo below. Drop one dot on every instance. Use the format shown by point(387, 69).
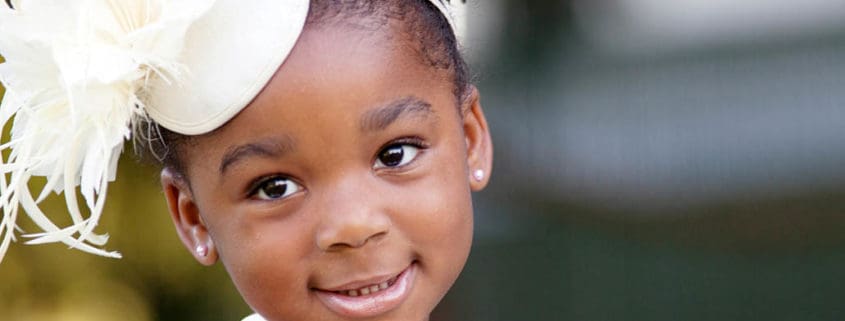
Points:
point(655, 160)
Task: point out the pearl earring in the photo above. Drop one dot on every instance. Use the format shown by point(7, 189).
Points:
point(202, 250)
point(478, 175)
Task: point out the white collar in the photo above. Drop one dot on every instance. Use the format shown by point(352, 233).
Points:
point(254, 317)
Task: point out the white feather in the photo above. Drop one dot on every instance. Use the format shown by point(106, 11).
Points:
point(74, 76)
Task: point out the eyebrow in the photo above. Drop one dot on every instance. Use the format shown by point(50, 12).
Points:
point(382, 117)
point(267, 148)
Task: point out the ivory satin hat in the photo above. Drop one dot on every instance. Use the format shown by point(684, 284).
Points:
point(230, 54)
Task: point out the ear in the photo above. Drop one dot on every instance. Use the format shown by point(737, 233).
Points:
point(186, 217)
point(478, 141)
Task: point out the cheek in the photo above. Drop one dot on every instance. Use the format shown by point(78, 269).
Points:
point(258, 253)
point(436, 213)
point(438, 210)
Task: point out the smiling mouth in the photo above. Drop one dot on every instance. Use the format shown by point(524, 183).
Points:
point(374, 298)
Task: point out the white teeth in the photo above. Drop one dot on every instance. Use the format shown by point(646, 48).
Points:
point(370, 289)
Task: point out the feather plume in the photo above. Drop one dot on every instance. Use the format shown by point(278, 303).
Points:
point(75, 76)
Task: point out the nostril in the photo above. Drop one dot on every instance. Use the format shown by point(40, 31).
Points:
point(375, 238)
point(339, 247)
point(350, 229)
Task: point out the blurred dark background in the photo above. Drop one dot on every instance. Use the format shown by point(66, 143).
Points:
point(655, 160)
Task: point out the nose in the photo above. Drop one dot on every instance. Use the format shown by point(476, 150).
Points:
point(352, 218)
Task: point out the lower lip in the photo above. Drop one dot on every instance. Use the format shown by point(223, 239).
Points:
point(373, 304)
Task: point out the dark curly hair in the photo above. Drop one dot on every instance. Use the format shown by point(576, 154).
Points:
point(428, 33)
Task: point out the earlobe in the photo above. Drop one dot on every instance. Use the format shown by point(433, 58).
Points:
point(478, 141)
point(186, 217)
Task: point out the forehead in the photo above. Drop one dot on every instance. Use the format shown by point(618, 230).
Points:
point(344, 61)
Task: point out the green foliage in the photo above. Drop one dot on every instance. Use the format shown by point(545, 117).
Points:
point(156, 280)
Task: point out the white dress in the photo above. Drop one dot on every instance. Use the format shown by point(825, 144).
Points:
point(254, 317)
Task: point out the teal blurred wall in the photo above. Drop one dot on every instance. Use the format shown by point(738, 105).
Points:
point(700, 183)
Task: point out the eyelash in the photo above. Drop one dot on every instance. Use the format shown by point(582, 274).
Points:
point(256, 187)
point(416, 142)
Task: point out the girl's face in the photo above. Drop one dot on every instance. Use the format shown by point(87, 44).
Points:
point(343, 191)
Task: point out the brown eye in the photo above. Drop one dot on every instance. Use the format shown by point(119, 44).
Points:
point(276, 188)
point(396, 155)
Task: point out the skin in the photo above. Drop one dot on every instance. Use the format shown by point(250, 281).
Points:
point(320, 122)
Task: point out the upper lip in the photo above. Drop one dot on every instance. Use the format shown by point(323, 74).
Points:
point(357, 284)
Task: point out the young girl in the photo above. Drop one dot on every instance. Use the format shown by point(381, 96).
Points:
point(324, 151)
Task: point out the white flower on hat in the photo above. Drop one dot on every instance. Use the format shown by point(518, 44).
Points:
point(75, 77)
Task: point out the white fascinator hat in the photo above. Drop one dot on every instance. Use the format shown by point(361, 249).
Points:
point(80, 75)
